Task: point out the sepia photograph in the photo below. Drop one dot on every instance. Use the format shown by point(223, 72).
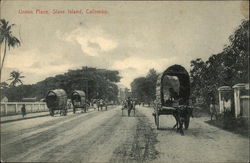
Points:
point(124, 81)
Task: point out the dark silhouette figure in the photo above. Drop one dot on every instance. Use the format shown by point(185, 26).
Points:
point(23, 110)
point(129, 105)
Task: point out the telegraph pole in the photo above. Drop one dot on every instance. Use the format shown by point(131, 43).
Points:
point(86, 86)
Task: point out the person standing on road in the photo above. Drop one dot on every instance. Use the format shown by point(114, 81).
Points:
point(101, 103)
point(212, 108)
point(129, 105)
point(23, 110)
point(95, 104)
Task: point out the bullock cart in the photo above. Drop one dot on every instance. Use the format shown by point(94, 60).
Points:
point(78, 99)
point(172, 97)
point(56, 100)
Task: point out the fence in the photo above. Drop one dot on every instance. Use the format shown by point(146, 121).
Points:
point(13, 108)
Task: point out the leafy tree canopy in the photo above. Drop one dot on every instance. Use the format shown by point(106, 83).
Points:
point(97, 83)
point(229, 67)
point(143, 88)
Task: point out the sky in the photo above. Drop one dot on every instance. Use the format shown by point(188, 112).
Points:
point(131, 37)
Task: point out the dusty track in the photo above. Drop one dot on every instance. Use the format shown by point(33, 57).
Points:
point(107, 136)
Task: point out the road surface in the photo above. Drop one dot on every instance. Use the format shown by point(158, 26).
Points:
point(107, 136)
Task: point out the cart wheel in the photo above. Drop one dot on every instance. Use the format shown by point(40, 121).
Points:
point(186, 123)
point(157, 120)
point(51, 112)
point(74, 110)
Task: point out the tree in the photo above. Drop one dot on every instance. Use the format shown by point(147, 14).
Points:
point(15, 78)
point(137, 88)
point(151, 83)
point(229, 67)
point(3, 85)
point(7, 39)
point(143, 88)
point(96, 83)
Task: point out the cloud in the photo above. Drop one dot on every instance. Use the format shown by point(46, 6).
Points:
point(124, 40)
point(93, 41)
point(133, 67)
point(37, 64)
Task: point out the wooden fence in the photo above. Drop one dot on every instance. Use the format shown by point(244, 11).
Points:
point(13, 108)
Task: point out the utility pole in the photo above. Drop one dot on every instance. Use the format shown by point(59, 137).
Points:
point(87, 89)
point(86, 86)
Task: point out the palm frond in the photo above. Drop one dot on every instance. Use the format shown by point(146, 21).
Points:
point(19, 81)
point(3, 23)
point(15, 76)
point(13, 41)
point(6, 34)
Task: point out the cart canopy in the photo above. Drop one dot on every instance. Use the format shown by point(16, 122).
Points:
point(173, 85)
point(78, 98)
point(56, 98)
point(77, 95)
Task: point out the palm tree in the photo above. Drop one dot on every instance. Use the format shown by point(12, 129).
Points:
point(15, 76)
point(7, 38)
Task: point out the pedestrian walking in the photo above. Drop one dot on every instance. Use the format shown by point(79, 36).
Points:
point(23, 110)
point(101, 103)
point(129, 105)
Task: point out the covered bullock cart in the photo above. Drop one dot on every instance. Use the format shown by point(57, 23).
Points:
point(78, 99)
point(57, 100)
point(172, 96)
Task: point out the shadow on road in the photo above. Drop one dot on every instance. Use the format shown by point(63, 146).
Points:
point(166, 129)
point(24, 118)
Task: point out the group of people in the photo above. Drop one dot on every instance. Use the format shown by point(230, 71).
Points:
point(129, 104)
point(99, 104)
point(214, 110)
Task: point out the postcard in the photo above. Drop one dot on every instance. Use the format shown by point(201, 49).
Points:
point(124, 81)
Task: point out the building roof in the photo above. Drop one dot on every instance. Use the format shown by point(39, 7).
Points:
point(242, 85)
point(225, 88)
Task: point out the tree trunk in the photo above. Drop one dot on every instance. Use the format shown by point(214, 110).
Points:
point(5, 44)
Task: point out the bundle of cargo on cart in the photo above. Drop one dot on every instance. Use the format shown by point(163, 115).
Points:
point(172, 97)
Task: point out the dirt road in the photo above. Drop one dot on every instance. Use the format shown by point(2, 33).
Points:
point(107, 136)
